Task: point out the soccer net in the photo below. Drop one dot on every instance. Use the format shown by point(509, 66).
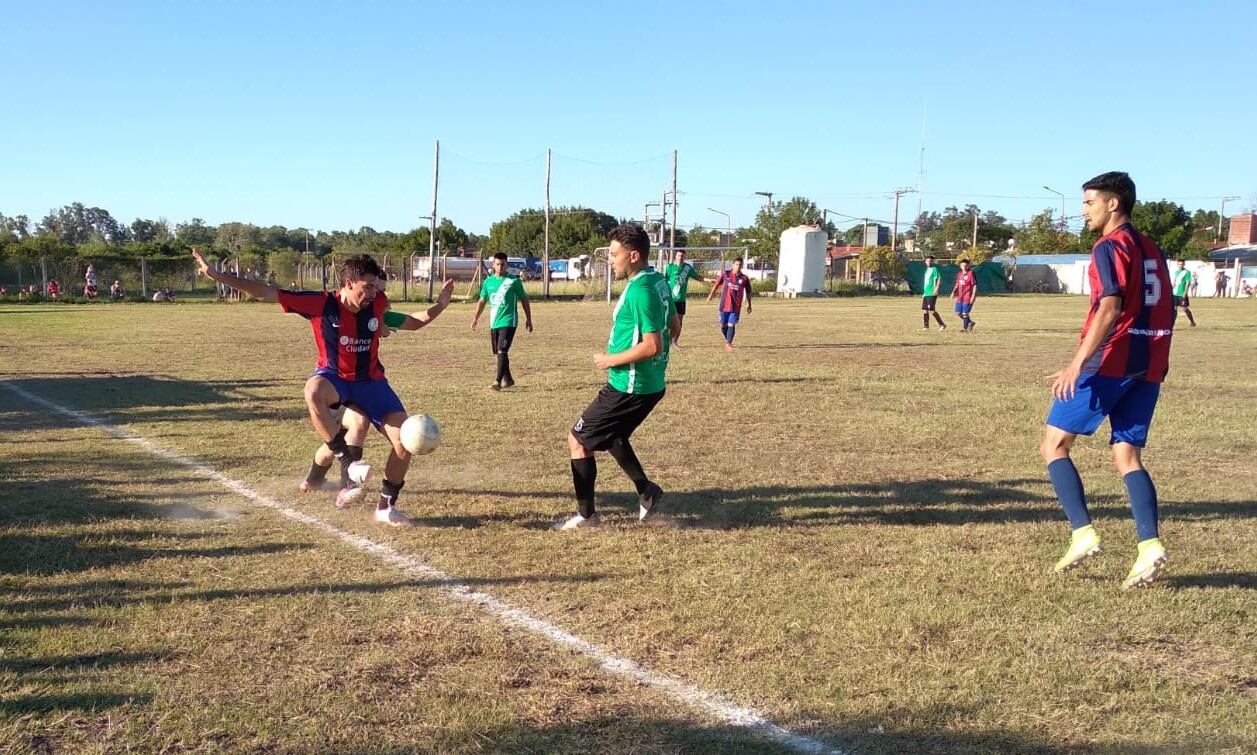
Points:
point(709, 261)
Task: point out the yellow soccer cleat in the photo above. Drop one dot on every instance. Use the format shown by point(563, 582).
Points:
point(1148, 564)
point(1083, 543)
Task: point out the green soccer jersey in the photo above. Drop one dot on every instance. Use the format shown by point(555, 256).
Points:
point(644, 307)
point(679, 278)
point(931, 282)
point(503, 294)
point(1182, 279)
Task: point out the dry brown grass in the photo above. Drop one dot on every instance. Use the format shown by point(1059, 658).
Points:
point(863, 544)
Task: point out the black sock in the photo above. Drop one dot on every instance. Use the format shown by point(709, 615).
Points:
point(724, 331)
point(925, 319)
point(354, 454)
point(584, 475)
point(388, 493)
point(939, 319)
point(506, 369)
point(317, 474)
point(623, 454)
point(501, 366)
point(337, 445)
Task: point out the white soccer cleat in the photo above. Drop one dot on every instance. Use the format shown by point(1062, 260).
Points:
point(578, 522)
point(359, 471)
point(391, 516)
point(648, 500)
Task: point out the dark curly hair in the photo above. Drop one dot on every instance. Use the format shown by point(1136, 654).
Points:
point(632, 237)
point(358, 266)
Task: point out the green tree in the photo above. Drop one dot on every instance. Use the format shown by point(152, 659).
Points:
point(1165, 222)
point(1043, 235)
point(884, 263)
point(573, 230)
point(777, 217)
point(196, 233)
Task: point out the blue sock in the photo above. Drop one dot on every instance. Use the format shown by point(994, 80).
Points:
point(1143, 503)
point(1069, 492)
point(729, 334)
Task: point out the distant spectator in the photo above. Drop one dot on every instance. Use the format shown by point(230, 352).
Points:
point(115, 291)
point(89, 278)
point(1246, 289)
point(1219, 284)
point(163, 294)
point(4, 291)
point(54, 288)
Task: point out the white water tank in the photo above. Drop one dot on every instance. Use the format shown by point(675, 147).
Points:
point(801, 265)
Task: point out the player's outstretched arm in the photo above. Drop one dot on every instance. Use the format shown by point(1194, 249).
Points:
point(256, 289)
point(417, 320)
point(715, 287)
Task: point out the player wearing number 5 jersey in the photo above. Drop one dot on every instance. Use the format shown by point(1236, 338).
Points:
point(1116, 372)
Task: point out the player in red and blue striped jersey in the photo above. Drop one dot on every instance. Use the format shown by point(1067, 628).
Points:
point(736, 288)
point(347, 324)
point(1116, 372)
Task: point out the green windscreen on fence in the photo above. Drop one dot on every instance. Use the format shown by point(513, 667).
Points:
point(990, 277)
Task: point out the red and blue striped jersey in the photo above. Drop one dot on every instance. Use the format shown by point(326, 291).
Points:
point(966, 286)
point(1127, 264)
point(735, 288)
point(348, 341)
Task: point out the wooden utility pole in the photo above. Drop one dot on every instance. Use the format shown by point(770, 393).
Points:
point(973, 244)
point(894, 221)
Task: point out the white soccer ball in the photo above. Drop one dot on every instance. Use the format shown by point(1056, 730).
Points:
point(421, 434)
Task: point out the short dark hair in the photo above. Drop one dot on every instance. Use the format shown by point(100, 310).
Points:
point(632, 237)
point(358, 266)
point(965, 261)
point(929, 256)
point(737, 260)
point(500, 256)
point(1115, 183)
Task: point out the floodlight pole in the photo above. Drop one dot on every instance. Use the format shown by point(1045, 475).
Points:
point(1062, 196)
point(728, 228)
point(545, 251)
point(436, 178)
point(672, 232)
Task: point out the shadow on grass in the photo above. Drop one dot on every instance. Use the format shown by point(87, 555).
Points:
point(154, 398)
point(1246, 580)
point(78, 701)
point(157, 593)
point(922, 502)
point(862, 736)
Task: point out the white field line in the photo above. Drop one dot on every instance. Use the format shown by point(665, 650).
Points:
point(714, 705)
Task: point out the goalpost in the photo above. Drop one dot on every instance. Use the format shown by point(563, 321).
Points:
point(709, 261)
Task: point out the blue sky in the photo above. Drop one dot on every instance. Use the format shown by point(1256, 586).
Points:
point(324, 114)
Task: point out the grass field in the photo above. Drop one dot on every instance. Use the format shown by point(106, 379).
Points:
point(860, 549)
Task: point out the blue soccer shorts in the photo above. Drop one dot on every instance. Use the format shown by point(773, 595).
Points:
point(964, 308)
point(728, 318)
point(1128, 403)
point(374, 398)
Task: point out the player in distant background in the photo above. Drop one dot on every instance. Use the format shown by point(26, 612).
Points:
point(1183, 281)
point(679, 274)
point(929, 295)
point(502, 291)
point(636, 361)
point(346, 324)
point(736, 288)
point(1116, 372)
point(965, 292)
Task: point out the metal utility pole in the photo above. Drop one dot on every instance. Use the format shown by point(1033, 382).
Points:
point(1217, 235)
point(1062, 196)
point(663, 216)
point(768, 195)
point(672, 237)
point(545, 251)
point(436, 179)
point(894, 221)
